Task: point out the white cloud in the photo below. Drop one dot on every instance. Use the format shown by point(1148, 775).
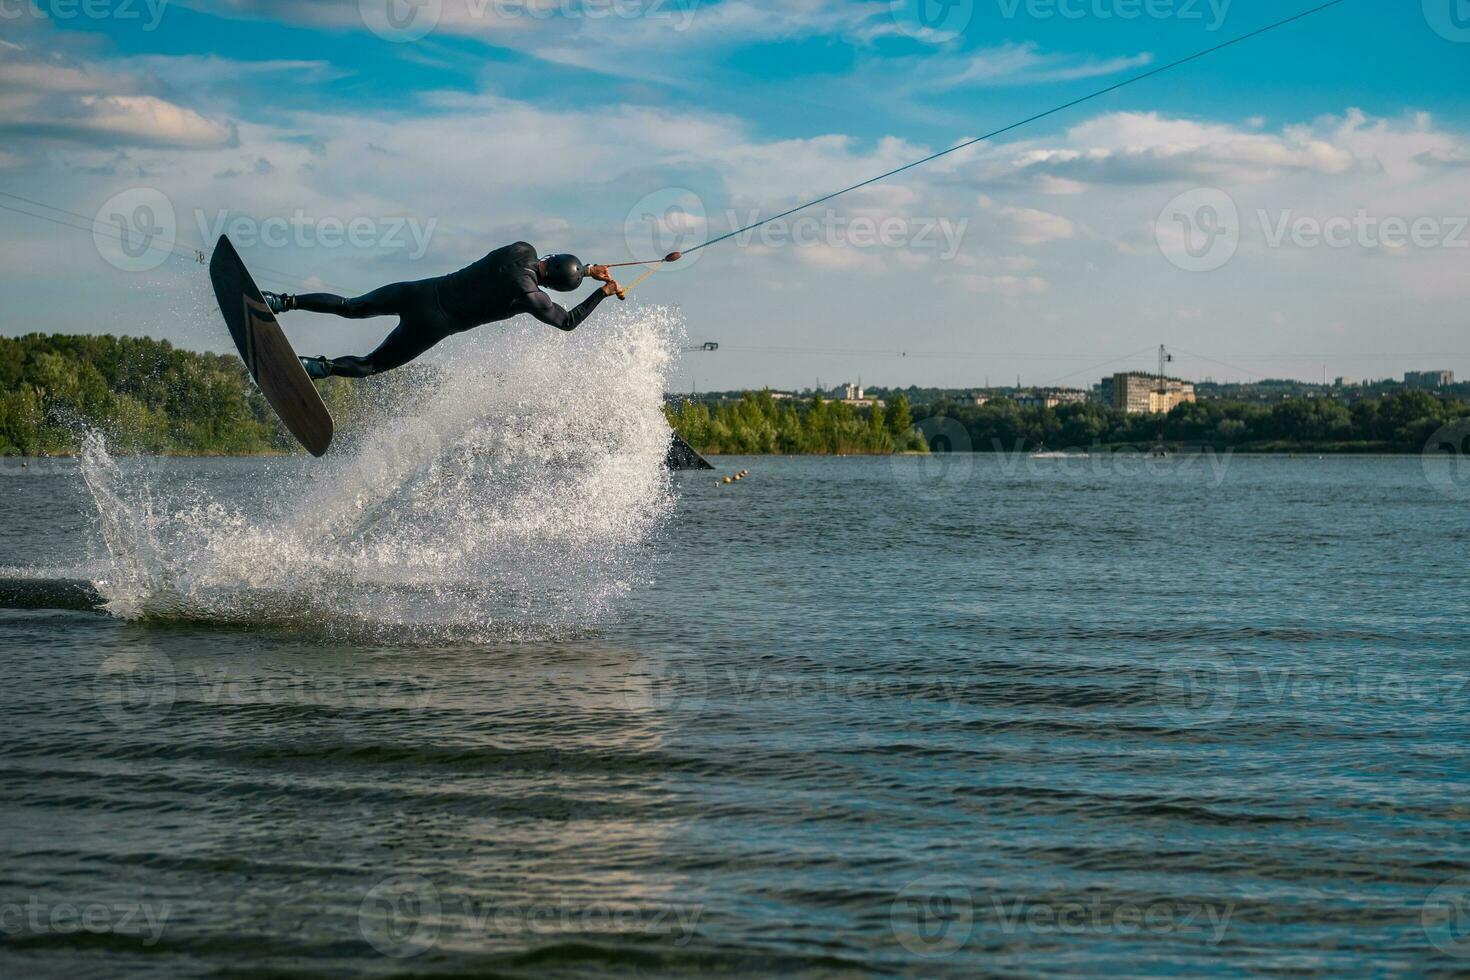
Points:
point(49, 99)
point(1019, 64)
point(1147, 148)
point(1032, 227)
point(1445, 159)
point(1010, 287)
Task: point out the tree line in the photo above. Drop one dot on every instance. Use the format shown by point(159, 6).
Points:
point(759, 423)
point(151, 397)
point(146, 395)
point(1402, 422)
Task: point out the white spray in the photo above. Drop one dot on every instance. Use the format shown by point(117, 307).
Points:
point(522, 493)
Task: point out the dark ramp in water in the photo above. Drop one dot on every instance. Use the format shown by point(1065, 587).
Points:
point(683, 456)
point(49, 593)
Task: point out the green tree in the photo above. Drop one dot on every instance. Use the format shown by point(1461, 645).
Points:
point(899, 420)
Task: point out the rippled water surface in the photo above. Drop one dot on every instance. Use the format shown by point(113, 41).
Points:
point(848, 717)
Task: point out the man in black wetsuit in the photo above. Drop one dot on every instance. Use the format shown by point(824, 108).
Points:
point(504, 283)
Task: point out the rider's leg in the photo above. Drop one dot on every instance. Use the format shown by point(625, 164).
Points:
point(407, 341)
point(399, 299)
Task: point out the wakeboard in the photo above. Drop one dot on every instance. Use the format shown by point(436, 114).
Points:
point(267, 353)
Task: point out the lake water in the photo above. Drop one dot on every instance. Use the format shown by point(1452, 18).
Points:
point(983, 715)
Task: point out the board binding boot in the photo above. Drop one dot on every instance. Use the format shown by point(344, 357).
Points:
point(317, 368)
point(279, 302)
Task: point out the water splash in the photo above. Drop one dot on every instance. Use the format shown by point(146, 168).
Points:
point(521, 493)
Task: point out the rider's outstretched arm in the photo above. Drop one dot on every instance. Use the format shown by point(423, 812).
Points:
point(542, 308)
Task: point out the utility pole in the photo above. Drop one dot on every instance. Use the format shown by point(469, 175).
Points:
point(1165, 359)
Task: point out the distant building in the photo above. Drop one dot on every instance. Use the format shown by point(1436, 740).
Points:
point(1429, 379)
point(1138, 394)
point(1051, 398)
point(853, 394)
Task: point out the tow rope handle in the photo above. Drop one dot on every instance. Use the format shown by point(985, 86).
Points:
point(653, 267)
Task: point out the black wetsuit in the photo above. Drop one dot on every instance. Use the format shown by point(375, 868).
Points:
point(497, 287)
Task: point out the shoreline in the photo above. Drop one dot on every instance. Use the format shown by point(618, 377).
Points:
point(1367, 452)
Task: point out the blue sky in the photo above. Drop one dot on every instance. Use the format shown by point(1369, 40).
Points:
point(616, 127)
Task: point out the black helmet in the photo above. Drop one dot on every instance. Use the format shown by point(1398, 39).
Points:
point(564, 273)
